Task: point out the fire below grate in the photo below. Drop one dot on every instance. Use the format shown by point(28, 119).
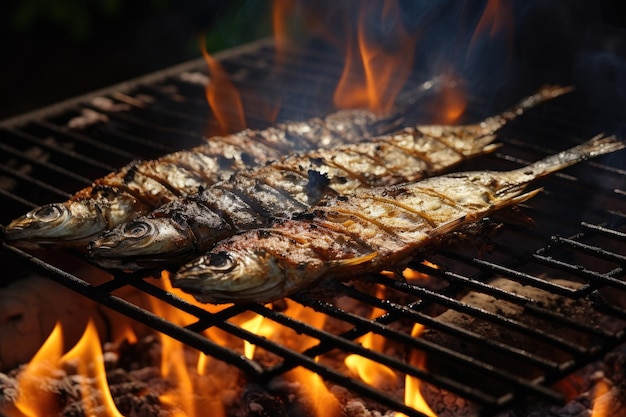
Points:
point(502, 320)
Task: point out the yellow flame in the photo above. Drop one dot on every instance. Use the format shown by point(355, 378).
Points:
point(384, 72)
point(87, 353)
point(371, 372)
point(412, 395)
point(32, 401)
point(322, 401)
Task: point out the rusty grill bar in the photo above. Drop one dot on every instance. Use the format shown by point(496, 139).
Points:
point(582, 244)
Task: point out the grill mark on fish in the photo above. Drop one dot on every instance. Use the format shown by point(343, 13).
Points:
point(364, 233)
point(286, 197)
point(410, 209)
point(350, 213)
point(414, 153)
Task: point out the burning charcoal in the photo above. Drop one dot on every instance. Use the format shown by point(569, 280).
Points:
point(260, 403)
point(144, 406)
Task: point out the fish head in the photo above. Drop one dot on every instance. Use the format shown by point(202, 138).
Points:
point(233, 276)
point(71, 223)
point(144, 243)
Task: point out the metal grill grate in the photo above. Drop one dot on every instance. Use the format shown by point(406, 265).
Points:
point(578, 236)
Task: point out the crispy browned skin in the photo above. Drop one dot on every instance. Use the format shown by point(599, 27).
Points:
point(142, 186)
point(187, 227)
point(371, 230)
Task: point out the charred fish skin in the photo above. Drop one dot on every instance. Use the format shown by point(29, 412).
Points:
point(142, 186)
point(371, 230)
point(405, 156)
point(176, 232)
point(252, 199)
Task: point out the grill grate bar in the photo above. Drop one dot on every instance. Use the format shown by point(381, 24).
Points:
point(144, 316)
point(423, 319)
point(164, 113)
point(431, 348)
point(481, 313)
point(57, 130)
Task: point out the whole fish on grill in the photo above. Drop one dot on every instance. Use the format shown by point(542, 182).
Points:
point(187, 227)
point(366, 232)
point(141, 186)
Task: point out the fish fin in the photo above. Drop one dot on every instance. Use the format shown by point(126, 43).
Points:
point(598, 145)
point(454, 224)
point(338, 263)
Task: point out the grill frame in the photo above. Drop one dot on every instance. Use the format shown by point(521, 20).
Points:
point(189, 334)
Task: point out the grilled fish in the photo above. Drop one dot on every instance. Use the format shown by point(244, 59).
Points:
point(371, 230)
point(142, 186)
point(186, 227)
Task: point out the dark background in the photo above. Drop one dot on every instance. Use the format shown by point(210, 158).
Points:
point(57, 49)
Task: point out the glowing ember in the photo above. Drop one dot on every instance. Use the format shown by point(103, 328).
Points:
point(375, 72)
point(411, 274)
point(601, 399)
point(412, 395)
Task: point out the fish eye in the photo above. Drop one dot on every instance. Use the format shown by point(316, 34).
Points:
point(221, 261)
point(47, 213)
point(136, 229)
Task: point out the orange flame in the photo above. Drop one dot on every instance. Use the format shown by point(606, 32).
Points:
point(412, 395)
point(222, 96)
point(282, 12)
point(87, 353)
point(411, 274)
point(371, 372)
point(601, 399)
point(449, 105)
point(177, 362)
point(321, 400)
point(496, 18)
point(374, 75)
point(34, 400)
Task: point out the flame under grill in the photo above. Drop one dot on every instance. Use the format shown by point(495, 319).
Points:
point(579, 233)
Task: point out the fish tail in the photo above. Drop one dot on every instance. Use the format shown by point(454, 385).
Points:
point(454, 224)
point(598, 145)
